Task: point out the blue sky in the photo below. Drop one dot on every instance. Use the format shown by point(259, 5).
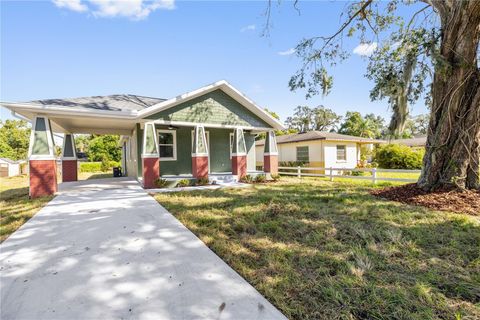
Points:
point(57, 49)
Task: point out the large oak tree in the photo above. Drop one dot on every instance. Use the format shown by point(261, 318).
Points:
point(433, 53)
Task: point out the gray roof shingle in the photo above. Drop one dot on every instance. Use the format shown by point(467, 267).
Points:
point(418, 141)
point(115, 102)
point(318, 135)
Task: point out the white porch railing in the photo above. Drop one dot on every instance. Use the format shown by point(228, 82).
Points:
point(333, 172)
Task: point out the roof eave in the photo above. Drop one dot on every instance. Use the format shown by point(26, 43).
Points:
point(49, 109)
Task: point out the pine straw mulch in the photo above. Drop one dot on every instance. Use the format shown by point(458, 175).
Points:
point(445, 200)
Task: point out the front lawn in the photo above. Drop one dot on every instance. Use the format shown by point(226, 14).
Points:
point(329, 250)
point(15, 206)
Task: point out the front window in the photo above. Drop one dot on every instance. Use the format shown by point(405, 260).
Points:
point(302, 154)
point(341, 153)
point(167, 144)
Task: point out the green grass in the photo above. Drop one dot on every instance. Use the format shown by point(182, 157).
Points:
point(15, 206)
point(328, 250)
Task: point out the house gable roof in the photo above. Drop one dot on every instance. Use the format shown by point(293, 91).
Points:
point(214, 108)
point(319, 135)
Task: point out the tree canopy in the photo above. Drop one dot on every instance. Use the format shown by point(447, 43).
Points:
point(14, 139)
point(369, 126)
point(318, 118)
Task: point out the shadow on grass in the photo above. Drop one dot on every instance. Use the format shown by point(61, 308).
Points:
point(330, 250)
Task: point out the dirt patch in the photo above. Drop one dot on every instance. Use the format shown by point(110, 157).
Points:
point(446, 200)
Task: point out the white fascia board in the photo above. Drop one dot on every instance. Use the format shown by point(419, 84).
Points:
point(206, 125)
point(46, 109)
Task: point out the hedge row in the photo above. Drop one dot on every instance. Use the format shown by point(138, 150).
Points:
point(395, 156)
point(96, 166)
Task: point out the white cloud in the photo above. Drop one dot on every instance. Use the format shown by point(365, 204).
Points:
point(134, 9)
point(287, 52)
point(74, 5)
point(365, 49)
point(250, 27)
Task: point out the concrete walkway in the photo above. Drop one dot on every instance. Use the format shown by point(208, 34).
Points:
point(105, 249)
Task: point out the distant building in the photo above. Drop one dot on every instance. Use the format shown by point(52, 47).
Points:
point(11, 168)
point(318, 149)
point(415, 142)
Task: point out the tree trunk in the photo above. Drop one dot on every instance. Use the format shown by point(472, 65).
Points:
point(452, 155)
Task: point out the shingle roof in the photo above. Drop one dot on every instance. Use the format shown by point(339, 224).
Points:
point(115, 102)
point(412, 142)
point(319, 135)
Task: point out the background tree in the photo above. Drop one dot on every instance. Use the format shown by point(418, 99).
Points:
point(104, 147)
point(437, 43)
point(319, 118)
point(417, 126)
point(14, 139)
point(369, 126)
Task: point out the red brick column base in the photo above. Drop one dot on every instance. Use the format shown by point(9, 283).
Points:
point(43, 178)
point(69, 170)
point(270, 164)
point(200, 167)
point(151, 172)
point(239, 166)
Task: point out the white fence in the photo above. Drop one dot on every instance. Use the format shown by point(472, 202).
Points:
point(339, 172)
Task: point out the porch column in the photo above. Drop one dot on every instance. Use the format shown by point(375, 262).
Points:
point(69, 159)
point(41, 159)
point(150, 156)
point(239, 154)
point(200, 153)
point(270, 154)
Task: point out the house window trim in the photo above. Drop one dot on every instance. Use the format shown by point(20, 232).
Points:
point(296, 153)
point(336, 152)
point(174, 158)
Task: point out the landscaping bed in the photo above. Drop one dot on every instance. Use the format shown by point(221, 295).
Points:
point(446, 200)
point(330, 250)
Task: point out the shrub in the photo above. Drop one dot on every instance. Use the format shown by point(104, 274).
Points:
point(395, 156)
point(160, 183)
point(292, 163)
point(260, 178)
point(275, 177)
point(246, 179)
point(96, 166)
point(202, 181)
point(183, 183)
point(105, 165)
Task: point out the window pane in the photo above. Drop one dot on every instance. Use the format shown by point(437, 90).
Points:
point(341, 153)
point(166, 151)
point(302, 154)
point(165, 138)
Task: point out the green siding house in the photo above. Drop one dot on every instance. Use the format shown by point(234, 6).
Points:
point(205, 133)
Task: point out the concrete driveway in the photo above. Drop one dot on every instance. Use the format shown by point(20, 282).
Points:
point(105, 249)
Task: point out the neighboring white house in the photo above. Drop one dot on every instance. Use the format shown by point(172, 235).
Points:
point(318, 149)
point(10, 168)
